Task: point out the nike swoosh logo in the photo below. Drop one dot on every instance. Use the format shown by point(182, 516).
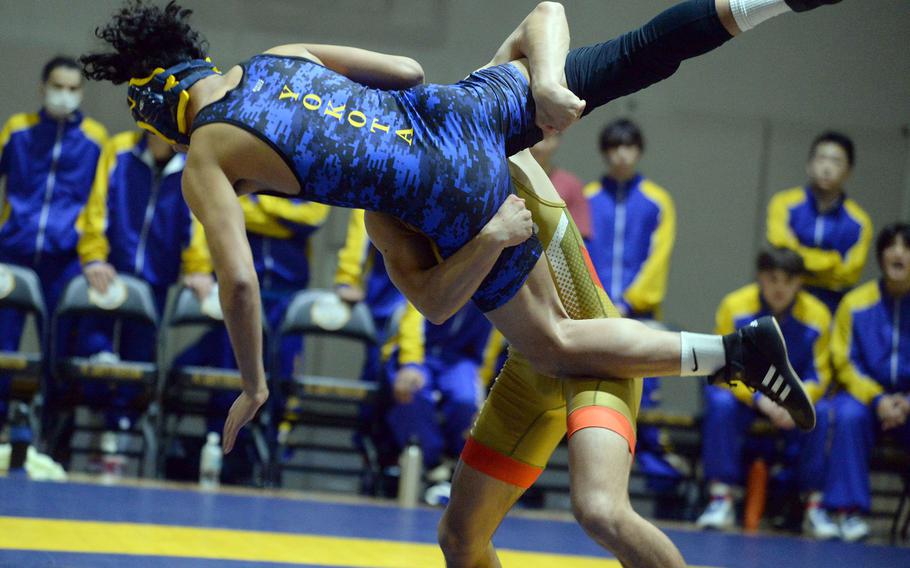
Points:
point(694, 356)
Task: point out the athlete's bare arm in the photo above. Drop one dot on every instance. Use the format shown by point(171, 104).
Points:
point(211, 197)
point(368, 68)
point(543, 38)
point(438, 289)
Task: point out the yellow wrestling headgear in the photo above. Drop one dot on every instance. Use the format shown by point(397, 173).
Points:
point(158, 102)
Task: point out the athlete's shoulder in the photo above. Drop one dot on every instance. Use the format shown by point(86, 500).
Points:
point(811, 311)
point(592, 188)
point(21, 121)
point(123, 142)
point(858, 213)
point(656, 193)
point(743, 300)
point(789, 197)
point(94, 131)
point(862, 296)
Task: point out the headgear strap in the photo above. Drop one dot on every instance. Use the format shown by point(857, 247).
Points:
point(158, 102)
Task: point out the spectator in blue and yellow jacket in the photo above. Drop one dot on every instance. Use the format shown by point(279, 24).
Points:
point(871, 352)
point(819, 221)
point(805, 323)
point(48, 161)
point(633, 229)
point(427, 360)
point(633, 226)
point(361, 276)
point(137, 223)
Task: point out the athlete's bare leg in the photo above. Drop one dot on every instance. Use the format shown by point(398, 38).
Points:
point(477, 505)
point(537, 325)
point(599, 464)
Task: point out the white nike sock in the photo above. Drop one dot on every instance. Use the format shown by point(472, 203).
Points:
point(700, 354)
point(750, 13)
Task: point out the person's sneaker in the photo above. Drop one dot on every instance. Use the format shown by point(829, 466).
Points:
point(819, 524)
point(717, 515)
point(853, 528)
point(757, 356)
point(806, 5)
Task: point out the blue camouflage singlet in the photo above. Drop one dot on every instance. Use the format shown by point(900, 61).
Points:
point(434, 156)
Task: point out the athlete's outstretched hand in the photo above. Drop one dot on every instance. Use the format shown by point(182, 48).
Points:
point(557, 107)
point(242, 411)
point(512, 224)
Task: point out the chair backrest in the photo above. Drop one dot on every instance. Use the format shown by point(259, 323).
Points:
point(186, 309)
point(321, 312)
point(20, 288)
point(128, 297)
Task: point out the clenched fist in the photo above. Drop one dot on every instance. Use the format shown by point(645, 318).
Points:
point(512, 224)
point(557, 107)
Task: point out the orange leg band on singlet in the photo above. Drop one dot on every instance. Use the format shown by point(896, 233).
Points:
point(499, 466)
point(601, 417)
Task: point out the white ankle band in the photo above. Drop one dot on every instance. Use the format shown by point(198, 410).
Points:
point(700, 354)
point(750, 13)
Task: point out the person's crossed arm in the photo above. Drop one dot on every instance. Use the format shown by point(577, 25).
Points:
point(439, 288)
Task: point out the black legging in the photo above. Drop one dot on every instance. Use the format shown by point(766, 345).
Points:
point(626, 64)
point(603, 72)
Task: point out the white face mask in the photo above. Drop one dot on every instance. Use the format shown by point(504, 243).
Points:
point(61, 103)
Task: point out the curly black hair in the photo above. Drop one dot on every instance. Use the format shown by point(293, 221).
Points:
point(144, 37)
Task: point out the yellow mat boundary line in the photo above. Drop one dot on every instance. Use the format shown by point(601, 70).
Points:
point(94, 537)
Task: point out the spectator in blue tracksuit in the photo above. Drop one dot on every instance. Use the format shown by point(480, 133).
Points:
point(633, 229)
point(137, 223)
point(433, 368)
point(870, 348)
point(730, 412)
point(828, 229)
point(48, 161)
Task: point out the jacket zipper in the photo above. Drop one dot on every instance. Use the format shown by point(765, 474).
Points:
point(619, 232)
point(146, 224)
point(49, 192)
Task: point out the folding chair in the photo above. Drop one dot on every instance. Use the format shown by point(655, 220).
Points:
point(20, 289)
point(129, 299)
point(186, 388)
point(330, 405)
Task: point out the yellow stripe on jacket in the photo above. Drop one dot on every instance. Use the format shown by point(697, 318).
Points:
point(91, 224)
point(647, 291)
point(353, 255)
point(854, 381)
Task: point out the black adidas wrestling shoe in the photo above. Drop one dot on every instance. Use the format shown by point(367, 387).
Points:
point(806, 5)
point(757, 357)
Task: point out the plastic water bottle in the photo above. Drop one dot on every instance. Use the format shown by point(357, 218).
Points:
point(409, 484)
point(20, 437)
point(112, 463)
point(210, 462)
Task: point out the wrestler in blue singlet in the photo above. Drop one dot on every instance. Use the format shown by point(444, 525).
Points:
point(444, 146)
point(435, 156)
